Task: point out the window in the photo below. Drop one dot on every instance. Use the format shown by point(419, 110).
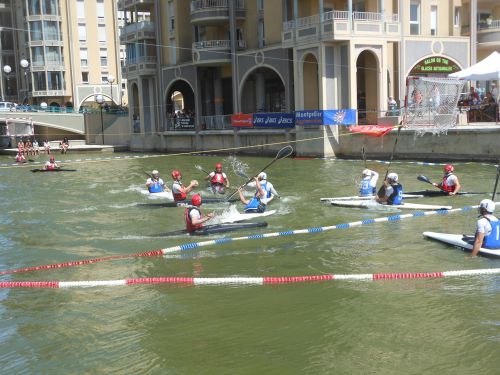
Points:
point(260, 4)
point(456, 19)
point(104, 77)
point(84, 57)
point(37, 56)
point(85, 77)
point(49, 7)
point(415, 18)
point(34, 7)
point(103, 54)
point(101, 32)
point(100, 9)
point(82, 32)
point(262, 40)
point(36, 30)
point(50, 30)
point(80, 8)
point(434, 19)
point(54, 81)
point(53, 55)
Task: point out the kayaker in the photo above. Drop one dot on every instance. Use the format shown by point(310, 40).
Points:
point(193, 216)
point(218, 180)
point(393, 190)
point(154, 183)
point(20, 158)
point(51, 164)
point(270, 191)
point(258, 202)
point(368, 186)
point(450, 183)
point(487, 228)
point(179, 190)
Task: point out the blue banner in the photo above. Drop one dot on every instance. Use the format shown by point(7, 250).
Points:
point(273, 120)
point(328, 117)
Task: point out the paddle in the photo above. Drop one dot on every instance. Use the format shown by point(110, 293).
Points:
point(363, 155)
point(496, 182)
point(381, 191)
point(283, 153)
point(425, 179)
point(201, 169)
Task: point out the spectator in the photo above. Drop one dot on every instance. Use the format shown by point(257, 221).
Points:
point(494, 91)
point(392, 107)
point(64, 145)
point(36, 147)
point(46, 146)
point(473, 97)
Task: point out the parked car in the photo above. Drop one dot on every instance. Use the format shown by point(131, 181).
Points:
point(7, 106)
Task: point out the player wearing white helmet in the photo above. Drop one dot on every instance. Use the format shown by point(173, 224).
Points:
point(393, 190)
point(154, 183)
point(368, 186)
point(450, 183)
point(270, 191)
point(487, 229)
point(258, 202)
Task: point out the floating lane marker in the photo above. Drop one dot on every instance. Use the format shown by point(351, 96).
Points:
point(199, 281)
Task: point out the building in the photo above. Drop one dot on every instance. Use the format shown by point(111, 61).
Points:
point(191, 64)
point(60, 52)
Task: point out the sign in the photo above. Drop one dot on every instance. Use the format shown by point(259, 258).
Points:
point(242, 120)
point(435, 65)
point(274, 120)
point(328, 117)
point(184, 123)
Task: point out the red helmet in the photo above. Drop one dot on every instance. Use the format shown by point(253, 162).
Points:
point(448, 168)
point(196, 200)
point(176, 174)
point(218, 166)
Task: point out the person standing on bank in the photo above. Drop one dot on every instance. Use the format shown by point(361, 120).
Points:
point(450, 183)
point(487, 228)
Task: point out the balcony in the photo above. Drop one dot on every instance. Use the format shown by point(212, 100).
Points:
point(137, 31)
point(140, 66)
point(215, 11)
point(339, 25)
point(489, 34)
point(138, 4)
point(214, 52)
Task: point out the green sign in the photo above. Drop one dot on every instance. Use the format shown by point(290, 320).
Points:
point(435, 65)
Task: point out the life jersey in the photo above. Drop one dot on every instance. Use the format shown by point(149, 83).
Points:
point(178, 195)
point(190, 227)
point(397, 195)
point(218, 179)
point(50, 166)
point(156, 187)
point(255, 205)
point(366, 190)
point(492, 240)
point(445, 187)
point(264, 187)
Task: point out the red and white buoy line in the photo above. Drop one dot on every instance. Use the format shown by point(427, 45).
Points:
point(200, 281)
point(239, 280)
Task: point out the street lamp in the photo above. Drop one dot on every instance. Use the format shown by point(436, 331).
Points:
point(26, 66)
point(100, 100)
point(111, 79)
point(7, 69)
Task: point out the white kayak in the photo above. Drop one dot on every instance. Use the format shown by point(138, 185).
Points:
point(236, 217)
point(457, 240)
point(375, 205)
point(163, 195)
point(358, 198)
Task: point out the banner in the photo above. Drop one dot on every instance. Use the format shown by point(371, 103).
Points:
point(372, 130)
point(327, 117)
point(184, 123)
point(241, 120)
point(274, 120)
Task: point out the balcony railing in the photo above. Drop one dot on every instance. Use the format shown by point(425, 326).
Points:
point(217, 44)
point(210, 4)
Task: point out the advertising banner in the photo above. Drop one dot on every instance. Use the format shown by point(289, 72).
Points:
point(274, 120)
point(328, 117)
point(242, 120)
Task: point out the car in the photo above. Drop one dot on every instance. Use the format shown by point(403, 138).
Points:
point(7, 106)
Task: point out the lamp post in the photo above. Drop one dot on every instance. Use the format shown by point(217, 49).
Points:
point(26, 66)
point(111, 79)
point(100, 100)
point(7, 69)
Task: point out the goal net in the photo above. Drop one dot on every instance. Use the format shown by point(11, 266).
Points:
point(431, 104)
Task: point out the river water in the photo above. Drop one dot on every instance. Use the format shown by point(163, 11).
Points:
point(450, 325)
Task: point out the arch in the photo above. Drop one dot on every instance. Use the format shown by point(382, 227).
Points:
point(263, 88)
point(310, 84)
point(86, 98)
point(367, 86)
point(184, 101)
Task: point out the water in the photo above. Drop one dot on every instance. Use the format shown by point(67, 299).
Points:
point(450, 326)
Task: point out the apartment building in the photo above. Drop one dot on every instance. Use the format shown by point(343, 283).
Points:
point(207, 59)
point(60, 52)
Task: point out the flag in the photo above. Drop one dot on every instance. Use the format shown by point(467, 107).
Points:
point(372, 130)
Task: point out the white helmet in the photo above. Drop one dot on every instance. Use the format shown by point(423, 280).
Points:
point(262, 176)
point(393, 176)
point(488, 205)
point(155, 172)
point(366, 172)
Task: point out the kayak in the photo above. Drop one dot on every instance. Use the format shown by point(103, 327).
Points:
point(458, 240)
point(358, 198)
point(215, 229)
point(187, 202)
point(374, 205)
point(162, 194)
point(440, 193)
point(239, 217)
point(52, 170)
